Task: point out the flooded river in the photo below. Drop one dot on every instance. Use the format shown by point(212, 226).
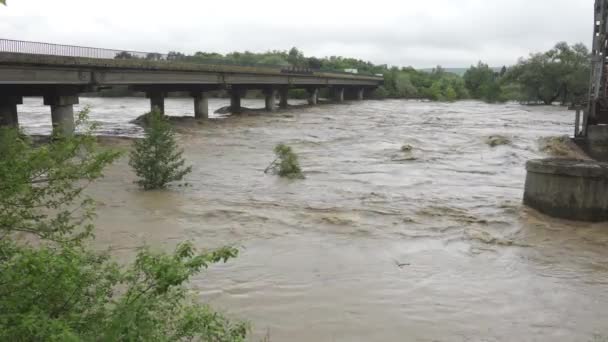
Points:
point(376, 244)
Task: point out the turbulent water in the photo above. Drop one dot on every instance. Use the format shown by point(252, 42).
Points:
point(377, 243)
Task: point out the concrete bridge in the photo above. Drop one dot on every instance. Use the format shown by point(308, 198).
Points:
point(59, 73)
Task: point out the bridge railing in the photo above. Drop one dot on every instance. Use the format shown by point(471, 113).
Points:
point(40, 48)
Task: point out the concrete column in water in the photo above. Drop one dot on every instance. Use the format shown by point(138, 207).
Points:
point(360, 94)
point(270, 96)
point(284, 94)
point(8, 111)
point(338, 94)
point(201, 105)
point(157, 100)
point(313, 96)
point(235, 99)
point(62, 112)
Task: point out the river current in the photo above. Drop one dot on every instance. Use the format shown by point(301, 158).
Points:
point(377, 243)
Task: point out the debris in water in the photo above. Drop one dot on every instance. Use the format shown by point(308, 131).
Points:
point(286, 163)
point(407, 148)
point(561, 147)
point(408, 154)
point(497, 140)
point(402, 264)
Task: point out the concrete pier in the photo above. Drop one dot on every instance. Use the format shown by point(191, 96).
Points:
point(284, 95)
point(595, 144)
point(360, 93)
point(313, 96)
point(235, 100)
point(62, 112)
point(157, 100)
point(568, 189)
point(270, 96)
point(8, 111)
point(201, 105)
point(338, 93)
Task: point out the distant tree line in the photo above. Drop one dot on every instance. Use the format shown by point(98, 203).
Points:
point(560, 74)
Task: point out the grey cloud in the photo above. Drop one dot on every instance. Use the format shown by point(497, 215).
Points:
point(418, 33)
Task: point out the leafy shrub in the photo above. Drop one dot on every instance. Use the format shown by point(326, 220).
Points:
point(156, 159)
point(286, 163)
point(57, 289)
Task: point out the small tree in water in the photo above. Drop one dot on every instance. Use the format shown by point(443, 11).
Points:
point(156, 159)
point(286, 163)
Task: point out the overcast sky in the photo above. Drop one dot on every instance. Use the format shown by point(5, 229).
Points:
point(420, 33)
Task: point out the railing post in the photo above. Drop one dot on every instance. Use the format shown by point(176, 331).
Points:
point(577, 122)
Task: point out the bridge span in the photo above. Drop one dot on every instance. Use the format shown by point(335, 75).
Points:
point(59, 73)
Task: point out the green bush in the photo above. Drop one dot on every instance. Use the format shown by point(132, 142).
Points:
point(156, 159)
point(286, 163)
point(380, 93)
point(54, 288)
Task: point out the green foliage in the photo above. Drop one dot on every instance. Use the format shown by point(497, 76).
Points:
point(156, 158)
point(437, 85)
point(286, 163)
point(53, 288)
point(3, 2)
point(483, 83)
point(561, 73)
point(66, 293)
point(36, 182)
point(380, 93)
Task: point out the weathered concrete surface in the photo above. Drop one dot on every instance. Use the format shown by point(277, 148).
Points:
point(157, 101)
point(313, 96)
point(283, 96)
point(360, 92)
point(595, 144)
point(235, 100)
point(201, 106)
point(62, 113)
point(569, 189)
point(26, 69)
point(338, 93)
point(270, 99)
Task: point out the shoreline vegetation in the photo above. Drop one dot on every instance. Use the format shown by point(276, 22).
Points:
point(558, 75)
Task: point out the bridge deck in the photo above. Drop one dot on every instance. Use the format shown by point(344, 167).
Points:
point(30, 69)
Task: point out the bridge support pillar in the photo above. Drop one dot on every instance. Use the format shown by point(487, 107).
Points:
point(270, 96)
point(338, 94)
point(62, 113)
point(284, 94)
point(157, 100)
point(313, 96)
point(8, 111)
point(201, 105)
point(360, 93)
point(235, 100)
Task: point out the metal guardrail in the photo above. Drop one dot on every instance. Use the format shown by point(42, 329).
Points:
point(40, 48)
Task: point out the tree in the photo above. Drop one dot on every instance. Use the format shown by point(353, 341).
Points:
point(404, 87)
point(157, 159)
point(125, 55)
point(560, 73)
point(53, 288)
point(296, 57)
point(480, 80)
point(286, 163)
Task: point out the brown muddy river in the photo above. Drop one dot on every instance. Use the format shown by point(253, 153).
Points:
point(376, 244)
